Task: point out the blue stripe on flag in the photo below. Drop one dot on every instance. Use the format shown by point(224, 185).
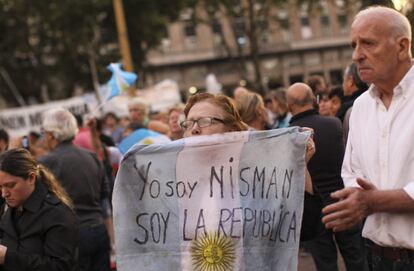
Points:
point(120, 80)
point(142, 136)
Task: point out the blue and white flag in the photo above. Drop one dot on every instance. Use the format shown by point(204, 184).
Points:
point(120, 80)
point(142, 136)
point(223, 202)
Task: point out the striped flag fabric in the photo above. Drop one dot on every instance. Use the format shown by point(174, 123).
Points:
point(120, 80)
point(142, 136)
point(232, 201)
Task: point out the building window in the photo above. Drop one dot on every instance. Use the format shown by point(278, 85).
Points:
point(166, 44)
point(216, 27)
point(217, 32)
point(240, 31)
point(285, 29)
point(189, 29)
point(343, 23)
point(295, 61)
point(190, 35)
point(325, 26)
point(165, 41)
point(312, 59)
point(306, 30)
point(263, 31)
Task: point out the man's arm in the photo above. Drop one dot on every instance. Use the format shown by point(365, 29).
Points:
point(357, 203)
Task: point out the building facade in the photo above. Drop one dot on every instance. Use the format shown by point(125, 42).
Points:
point(293, 43)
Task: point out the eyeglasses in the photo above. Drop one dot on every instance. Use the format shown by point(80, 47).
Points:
point(203, 122)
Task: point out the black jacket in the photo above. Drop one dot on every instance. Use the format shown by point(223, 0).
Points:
point(45, 237)
point(347, 102)
point(324, 167)
point(82, 175)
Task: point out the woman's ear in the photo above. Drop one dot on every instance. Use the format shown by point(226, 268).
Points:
point(32, 178)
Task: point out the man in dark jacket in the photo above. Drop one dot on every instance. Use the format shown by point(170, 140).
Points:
point(353, 87)
point(325, 170)
point(83, 177)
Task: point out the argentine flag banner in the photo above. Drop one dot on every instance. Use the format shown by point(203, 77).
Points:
point(120, 80)
point(223, 202)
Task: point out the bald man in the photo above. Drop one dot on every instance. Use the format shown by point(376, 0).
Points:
point(378, 168)
point(325, 170)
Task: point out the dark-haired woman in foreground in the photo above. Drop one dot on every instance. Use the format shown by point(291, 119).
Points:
point(38, 228)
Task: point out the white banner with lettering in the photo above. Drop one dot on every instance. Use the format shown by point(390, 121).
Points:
point(223, 202)
point(20, 121)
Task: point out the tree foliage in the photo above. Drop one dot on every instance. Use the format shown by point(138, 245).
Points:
point(48, 46)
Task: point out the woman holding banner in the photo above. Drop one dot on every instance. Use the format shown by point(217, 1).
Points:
point(200, 204)
point(38, 227)
point(216, 114)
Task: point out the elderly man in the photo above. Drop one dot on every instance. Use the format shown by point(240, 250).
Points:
point(81, 174)
point(378, 167)
point(325, 170)
point(353, 87)
point(139, 116)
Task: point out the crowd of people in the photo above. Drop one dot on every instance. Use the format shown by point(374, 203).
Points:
point(56, 184)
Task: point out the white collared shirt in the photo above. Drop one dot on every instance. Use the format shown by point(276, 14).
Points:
point(380, 149)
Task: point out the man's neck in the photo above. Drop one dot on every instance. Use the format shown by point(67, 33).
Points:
point(386, 87)
point(298, 110)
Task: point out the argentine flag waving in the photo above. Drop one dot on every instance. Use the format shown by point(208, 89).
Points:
point(120, 80)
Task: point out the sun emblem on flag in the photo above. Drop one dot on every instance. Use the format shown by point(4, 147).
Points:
point(147, 141)
point(213, 253)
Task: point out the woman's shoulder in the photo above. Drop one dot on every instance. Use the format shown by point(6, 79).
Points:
point(55, 210)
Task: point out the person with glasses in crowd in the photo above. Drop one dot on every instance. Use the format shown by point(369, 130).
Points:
point(208, 114)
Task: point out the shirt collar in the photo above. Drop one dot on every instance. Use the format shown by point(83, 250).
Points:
point(403, 87)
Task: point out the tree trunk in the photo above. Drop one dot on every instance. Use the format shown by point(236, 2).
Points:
point(254, 48)
point(94, 74)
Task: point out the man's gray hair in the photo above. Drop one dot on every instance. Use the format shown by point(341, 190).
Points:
point(141, 103)
point(400, 25)
point(61, 123)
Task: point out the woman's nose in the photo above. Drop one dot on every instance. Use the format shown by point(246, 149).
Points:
point(195, 130)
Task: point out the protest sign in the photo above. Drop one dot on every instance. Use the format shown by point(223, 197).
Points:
point(20, 121)
point(223, 202)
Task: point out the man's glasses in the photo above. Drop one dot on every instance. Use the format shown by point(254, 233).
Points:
point(203, 122)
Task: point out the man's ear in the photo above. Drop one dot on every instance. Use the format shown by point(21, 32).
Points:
point(404, 47)
point(349, 81)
